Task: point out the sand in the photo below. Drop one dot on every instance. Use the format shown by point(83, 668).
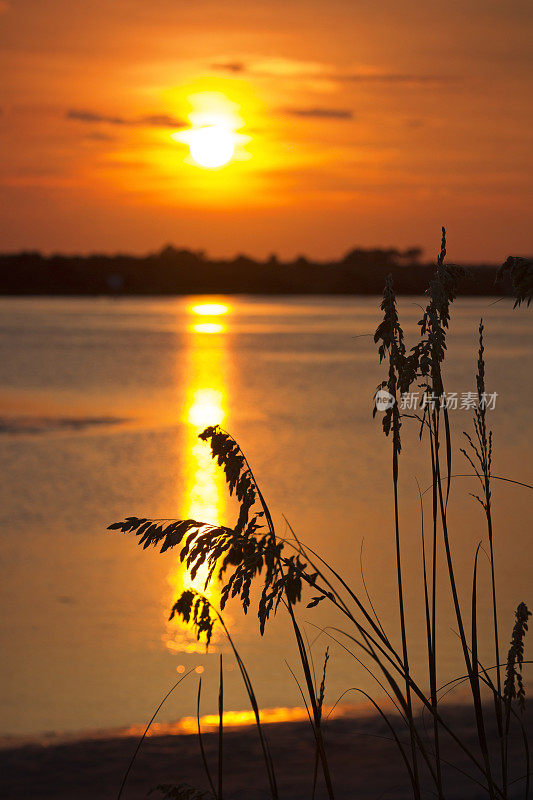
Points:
point(364, 764)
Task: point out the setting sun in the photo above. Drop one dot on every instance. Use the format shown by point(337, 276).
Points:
point(213, 138)
point(212, 146)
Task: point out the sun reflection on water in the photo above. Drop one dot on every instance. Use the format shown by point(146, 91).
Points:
point(207, 327)
point(209, 309)
point(202, 488)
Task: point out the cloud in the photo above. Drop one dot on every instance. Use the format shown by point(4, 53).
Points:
point(415, 123)
point(162, 121)
point(270, 67)
point(152, 121)
point(99, 136)
point(91, 117)
point(391, 77)
point(229, 66)
point(319, 113)
point(294, 68)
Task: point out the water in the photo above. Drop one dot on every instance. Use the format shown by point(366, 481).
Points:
point(100, 406)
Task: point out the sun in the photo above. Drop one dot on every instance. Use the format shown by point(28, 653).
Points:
point(213, 138)
point(212, 146)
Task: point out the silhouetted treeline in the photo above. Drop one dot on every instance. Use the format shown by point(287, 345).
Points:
point(177, 271)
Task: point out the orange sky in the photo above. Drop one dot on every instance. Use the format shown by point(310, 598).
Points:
point(369, 123)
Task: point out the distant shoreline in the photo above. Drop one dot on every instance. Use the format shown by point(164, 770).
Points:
point(177, 272)
point(489, 292)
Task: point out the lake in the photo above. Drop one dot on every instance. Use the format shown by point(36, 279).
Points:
point(101, 401)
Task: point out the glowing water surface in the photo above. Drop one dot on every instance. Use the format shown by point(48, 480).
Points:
point(201, 487)
point(100, 406)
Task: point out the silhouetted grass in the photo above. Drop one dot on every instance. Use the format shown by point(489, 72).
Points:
point(252, 552)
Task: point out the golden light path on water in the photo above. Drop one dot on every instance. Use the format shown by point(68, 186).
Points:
point(202, 491)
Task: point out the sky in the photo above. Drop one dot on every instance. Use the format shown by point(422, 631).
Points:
point(353, 123)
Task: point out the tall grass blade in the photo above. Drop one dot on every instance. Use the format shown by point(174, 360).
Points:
point(141, 740)
point(220, 729)
point(201, 742)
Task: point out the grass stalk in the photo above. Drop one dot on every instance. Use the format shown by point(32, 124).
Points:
point(409, 705)
point(304, 660)
point(255, 708)
point(143, 737)
point(201, 742)
point(220, 729)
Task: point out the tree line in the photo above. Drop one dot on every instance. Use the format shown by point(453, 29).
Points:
point(173, 270)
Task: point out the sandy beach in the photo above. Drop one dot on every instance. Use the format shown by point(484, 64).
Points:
point(364, 761)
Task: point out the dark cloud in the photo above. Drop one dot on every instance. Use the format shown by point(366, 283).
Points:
point(230, 66)
point(162, 121)
point(99, 136)
point(319, 113)
point(415, 123)
point(91, 117)
point(154, 120)
point(391, 78)
point(346, 77)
